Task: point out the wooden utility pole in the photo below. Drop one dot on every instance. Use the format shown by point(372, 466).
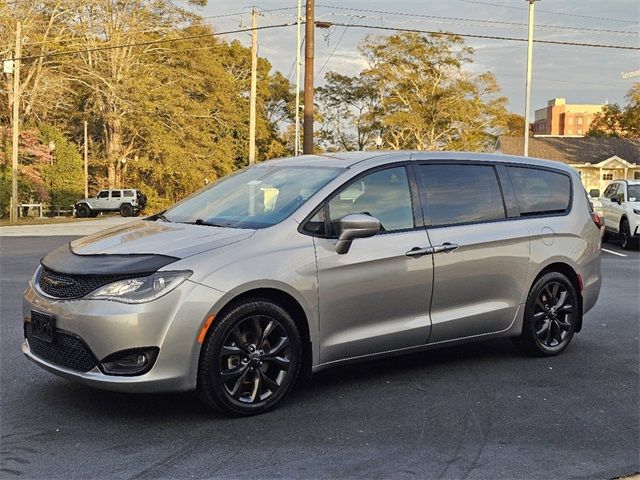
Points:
point(254, 83)
point(298, 65)
point(527, 100)
point(307, 142)
point(13, 216)
point(86, 162)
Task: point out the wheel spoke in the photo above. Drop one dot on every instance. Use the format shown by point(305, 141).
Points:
point(554, 292)
point(270, 384)
point(257, 328)
point(566, 308)
point(561, 300)
point(547, 338)
point(281, 362)
point(233, 373)
point(237, 335)
point(266, 332)
point(544, 329)
point(539, 315)
point(257, 384)
point(564, 324)
point(281, 345)
point(230, 351)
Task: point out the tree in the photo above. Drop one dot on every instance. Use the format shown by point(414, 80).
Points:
point(615, 121)
point(426, 98)
point(348, 108)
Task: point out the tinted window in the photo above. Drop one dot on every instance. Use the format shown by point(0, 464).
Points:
point(462, 194)
point(103, 194)
point(383, 194)
point(611, 190)
point(540, 191)
point(128, 193)
point(116, 194)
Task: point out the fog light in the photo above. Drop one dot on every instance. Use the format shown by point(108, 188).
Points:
point(136, 361)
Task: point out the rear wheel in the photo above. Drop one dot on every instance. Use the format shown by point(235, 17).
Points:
point(83, 211)
point(250, 358)
point(126, 210)
point(626, 240)
point(550, 316)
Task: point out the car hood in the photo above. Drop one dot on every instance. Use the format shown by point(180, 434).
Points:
point(142, 237)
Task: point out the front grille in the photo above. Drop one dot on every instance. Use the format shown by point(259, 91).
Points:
point(66, 350)
point(63, 285)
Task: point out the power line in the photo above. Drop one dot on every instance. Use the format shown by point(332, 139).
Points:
point(489, 37)
point(150, 42)
point(551, 12)
point(472, 20)
point(331, 54)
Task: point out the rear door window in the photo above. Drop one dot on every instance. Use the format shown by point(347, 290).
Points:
point(458, 194)
point(116, 194)
point(540, 192)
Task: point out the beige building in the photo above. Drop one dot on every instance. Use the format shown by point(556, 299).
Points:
point(560, 118)
point(598, 160)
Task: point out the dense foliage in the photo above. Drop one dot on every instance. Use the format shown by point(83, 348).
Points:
point(169, 117)
point(617, 121)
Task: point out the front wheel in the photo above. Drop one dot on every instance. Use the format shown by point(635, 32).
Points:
point(83, 211)
point(550, 316)
point(250, 358)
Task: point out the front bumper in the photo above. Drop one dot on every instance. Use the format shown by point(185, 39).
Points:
point(172, 323)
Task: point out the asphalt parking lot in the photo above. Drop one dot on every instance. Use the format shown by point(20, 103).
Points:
point(479, 411)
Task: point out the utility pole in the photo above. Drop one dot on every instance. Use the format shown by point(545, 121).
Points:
point(254, 82)
point(527, 101)
point(307, 147)
point(86, 162)
point(13, 216)
point(298, 65)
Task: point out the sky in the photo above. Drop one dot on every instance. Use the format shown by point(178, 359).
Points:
point(578, 74)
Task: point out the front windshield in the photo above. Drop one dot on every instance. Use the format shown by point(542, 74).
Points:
point(257, 197)
point(634, 193)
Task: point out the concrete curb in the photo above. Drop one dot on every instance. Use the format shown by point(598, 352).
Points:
point(61, 229)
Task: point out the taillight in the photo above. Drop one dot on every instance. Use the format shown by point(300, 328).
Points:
point(596, 219)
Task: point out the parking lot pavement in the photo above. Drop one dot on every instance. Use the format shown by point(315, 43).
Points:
point(480, 411)
point(84, 227)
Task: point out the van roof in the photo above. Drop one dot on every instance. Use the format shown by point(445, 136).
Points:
point(372, 158)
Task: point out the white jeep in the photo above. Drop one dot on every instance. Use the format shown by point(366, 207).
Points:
point(621, 208)
point(129, 202)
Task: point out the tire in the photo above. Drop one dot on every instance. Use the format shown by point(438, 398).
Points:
point(83, 211)
point(250, 358)
point(627, 242)
point(126, 210)
point(606, 236)
point(94, 214)
point(550, 316)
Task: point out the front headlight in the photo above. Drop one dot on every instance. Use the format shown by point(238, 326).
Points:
point(636, 211)
point(141, 289)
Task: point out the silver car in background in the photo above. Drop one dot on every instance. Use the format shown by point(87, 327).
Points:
point(296, 265)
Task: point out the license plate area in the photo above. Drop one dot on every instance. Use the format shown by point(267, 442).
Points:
point(43, 326)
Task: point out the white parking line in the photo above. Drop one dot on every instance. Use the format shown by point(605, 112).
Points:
point(615, 253)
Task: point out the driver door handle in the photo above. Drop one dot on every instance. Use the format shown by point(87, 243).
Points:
point(445, 247)
point(416, 252)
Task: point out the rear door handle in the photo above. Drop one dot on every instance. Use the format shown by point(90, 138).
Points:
point(416, 252)
point(445, 247)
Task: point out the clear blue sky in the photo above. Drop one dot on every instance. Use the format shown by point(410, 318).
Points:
point(579, 74)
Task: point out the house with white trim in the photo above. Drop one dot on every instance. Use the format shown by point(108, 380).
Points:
point(598, 160)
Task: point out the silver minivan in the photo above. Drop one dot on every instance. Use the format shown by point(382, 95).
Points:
point(296, 265)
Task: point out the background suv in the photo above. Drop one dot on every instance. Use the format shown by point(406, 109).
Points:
point(129, 203)
point(621, 209)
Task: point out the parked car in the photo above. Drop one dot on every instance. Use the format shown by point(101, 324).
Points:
point(129, 202)
point(272, 273)
point(596, 204)
point(621, 207)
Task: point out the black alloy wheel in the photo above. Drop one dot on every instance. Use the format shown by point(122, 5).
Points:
point(550, 317)
point(250, 358)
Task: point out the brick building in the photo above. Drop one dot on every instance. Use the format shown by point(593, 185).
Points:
point(598, 160)
point(562, 119)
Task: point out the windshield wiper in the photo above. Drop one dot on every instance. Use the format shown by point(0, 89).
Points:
point(200, 221)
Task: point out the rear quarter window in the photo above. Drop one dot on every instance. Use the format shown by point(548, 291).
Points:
point(540, 192)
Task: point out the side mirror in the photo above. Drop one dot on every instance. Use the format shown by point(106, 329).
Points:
point(355, 226)
point(594, 192)
point(616, 199)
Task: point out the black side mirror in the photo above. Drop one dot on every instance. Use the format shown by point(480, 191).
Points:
point(616, 199)
point(594, 192)
point(355, 226)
